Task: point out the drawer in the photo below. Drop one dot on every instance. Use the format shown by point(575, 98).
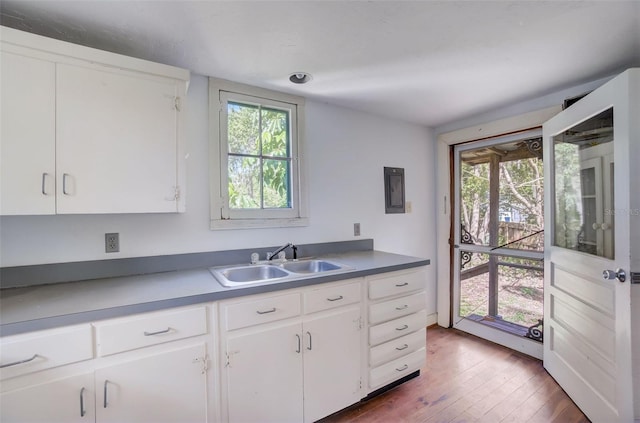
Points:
point(396, 283)
point(398, 307)
point(397, 348)
point(22, 354)
point(260, 311)
point(331, 297)
point(396, 328)
point(118, 335)
point(398, 368)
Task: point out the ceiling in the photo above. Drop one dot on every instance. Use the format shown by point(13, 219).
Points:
point(427, 62)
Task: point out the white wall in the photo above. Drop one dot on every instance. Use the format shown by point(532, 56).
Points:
point(346, 152)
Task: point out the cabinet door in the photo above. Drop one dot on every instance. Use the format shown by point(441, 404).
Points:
point(66, 400)
point(264, 375)
point(332, 359)
point(169, 387)
point(27, 154)
point(117, 135)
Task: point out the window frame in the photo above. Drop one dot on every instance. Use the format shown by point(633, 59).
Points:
point(222, 216)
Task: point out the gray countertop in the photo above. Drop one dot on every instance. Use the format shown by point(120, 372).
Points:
point(48, 306)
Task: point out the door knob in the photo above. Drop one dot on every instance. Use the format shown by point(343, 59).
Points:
point(618, 274)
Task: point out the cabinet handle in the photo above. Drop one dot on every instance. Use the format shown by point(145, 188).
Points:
point(338, 298)
point(404, 307)
point(64, 183)
point(15, 363)
point(402, 284)
point(299, 344)
point(403, 327)
point(105, 393)
point(404, 347)
point(309, 347)
point(403, 368)
point(82, 410)
point(266, 311)
point(44, 182)
point(156, 333)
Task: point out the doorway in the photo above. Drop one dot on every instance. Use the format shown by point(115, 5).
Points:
point(498, 271)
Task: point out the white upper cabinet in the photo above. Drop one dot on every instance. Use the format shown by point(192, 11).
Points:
point(86, 131)
point(27, 156)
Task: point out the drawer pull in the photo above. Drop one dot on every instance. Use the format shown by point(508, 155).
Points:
point(105, 393)
point(404, 307)
point(266, 311)
point(338, 298)
point(160, 332)
point(309, 347)
point(403, 327)
point(15, 363)
point(299, 344)
point(403, 368)
point(82, 410)
point(402, 284)
point(404, 347)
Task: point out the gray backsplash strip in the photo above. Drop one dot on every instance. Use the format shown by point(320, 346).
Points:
point(20, 276)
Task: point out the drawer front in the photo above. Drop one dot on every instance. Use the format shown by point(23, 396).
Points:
point(398, 368)
point(265, 310)
point(396, 328)
point(398, 307)
point(397, 348)
point(114, 336)
point(331, 297)
point(22, 354)
point(396, 284)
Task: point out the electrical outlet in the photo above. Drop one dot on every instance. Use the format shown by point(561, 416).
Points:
point(356, 229)
point(111, 243)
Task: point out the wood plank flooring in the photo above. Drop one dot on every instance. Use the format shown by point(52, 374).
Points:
point(468, 379)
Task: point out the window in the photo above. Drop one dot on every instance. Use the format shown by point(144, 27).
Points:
point(256, 166)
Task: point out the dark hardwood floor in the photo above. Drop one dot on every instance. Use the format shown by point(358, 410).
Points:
point(468, 379)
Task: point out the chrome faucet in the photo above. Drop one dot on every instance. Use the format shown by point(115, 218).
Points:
point(270, 256)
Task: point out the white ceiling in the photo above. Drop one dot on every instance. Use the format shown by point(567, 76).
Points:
point(428, 62)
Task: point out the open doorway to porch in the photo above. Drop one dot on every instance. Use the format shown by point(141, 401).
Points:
point(499, 240)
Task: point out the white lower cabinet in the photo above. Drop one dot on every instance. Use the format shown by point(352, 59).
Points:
point(69, 400)
point(169, 386)
point(397, 326)
point(301, 368)
point(331, 363)
point(152, 367)
point(264, 375)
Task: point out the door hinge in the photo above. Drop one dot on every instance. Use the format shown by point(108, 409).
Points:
point(205, 363)
point(177, 103)
point(177, 193)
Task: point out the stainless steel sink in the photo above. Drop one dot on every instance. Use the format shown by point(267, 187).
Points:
point(310, 266)
point(235, 276)
point(273, 272)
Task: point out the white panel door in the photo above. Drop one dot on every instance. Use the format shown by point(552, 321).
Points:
point(68, 400)
point(168, 387)
point(27, 154)
point(587, 324)
point(332, 361)
point(264, 375)
point(116, 141)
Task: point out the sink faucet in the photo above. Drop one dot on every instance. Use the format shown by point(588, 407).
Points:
point(270, 256)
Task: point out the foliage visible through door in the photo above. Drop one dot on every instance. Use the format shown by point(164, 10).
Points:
point(501, 208)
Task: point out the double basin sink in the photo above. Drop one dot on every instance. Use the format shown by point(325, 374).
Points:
point(272, 272)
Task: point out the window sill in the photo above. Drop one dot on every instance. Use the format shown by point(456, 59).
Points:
point(219, 224)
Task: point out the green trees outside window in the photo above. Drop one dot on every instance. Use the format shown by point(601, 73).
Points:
point(259, 157)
